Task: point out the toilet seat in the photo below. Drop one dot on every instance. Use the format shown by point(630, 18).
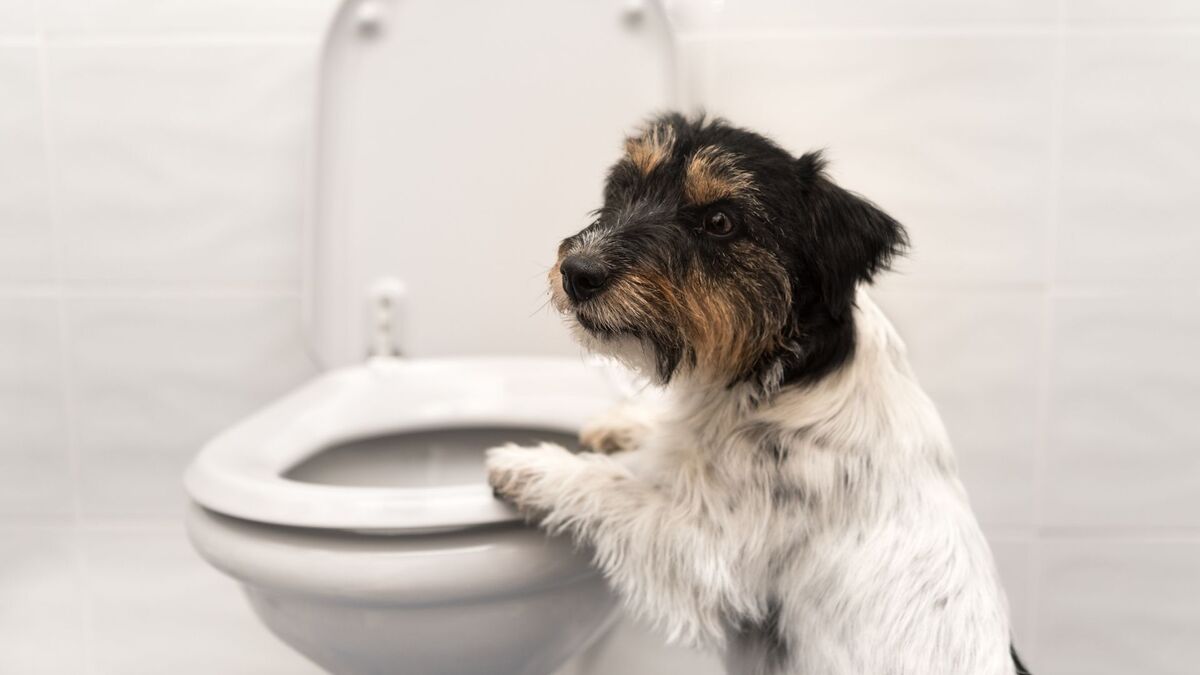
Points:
point(241, 473)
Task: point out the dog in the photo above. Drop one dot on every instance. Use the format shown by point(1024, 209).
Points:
point(790, 497)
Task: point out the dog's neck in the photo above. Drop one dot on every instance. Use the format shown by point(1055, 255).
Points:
point(816, 346)
point(871, 399)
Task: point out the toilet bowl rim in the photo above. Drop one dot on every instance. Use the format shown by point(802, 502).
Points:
point(241, 472)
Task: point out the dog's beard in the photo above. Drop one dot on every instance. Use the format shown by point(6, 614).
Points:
point(624, 346)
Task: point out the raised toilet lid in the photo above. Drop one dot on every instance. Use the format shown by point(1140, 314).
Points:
point(457, 144)
point(394, 445)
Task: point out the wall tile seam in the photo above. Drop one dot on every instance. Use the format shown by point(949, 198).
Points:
point(81, 569)
point(1048, 31)
point(126, 292)
point(17, 290)
point(183, 40)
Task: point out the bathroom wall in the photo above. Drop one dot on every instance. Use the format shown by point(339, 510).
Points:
point(152, 185)
point(1043, 154)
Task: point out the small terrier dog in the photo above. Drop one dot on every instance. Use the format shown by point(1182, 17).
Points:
point(792, 498)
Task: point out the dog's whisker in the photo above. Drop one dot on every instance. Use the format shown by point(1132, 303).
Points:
point(541, 308)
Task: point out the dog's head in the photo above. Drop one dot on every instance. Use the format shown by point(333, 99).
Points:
point(719, 254)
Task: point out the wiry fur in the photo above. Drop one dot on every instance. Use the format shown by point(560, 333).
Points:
point(793, 500)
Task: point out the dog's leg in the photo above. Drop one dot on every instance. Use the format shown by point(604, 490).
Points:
point(666, 557)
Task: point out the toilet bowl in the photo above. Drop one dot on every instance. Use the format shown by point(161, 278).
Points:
point(359, 604)
point(456, 144)
point(355, 514)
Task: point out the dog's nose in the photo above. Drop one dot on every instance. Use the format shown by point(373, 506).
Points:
point(583, 277)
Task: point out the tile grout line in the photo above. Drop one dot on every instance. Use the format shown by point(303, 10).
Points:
point(82, 569)
point(55, 290)
point(150, 288)
point(134, 41)
point(75, 289)
point(1037, 552)
point(70, 291)
point(1049, 30)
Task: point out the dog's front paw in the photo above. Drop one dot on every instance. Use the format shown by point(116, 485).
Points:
point(526, 476)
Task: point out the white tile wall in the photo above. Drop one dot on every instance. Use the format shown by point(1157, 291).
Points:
point(1119, 606)
point(759, 17)
point(152, 187)
point(18, 18)
point(107, 19)
point(180, 164)
point(1043, 154)
point(1124, 445)
point(201, 623)
point(26, 243)
point(42, 617)
point(35, 468)
point(154, 378)
point(1128, 197)
point(1119, 13)
point(922, 14)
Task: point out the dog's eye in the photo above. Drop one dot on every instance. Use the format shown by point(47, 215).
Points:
point(719, 224)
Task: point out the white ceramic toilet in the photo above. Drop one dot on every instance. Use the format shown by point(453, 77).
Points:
point(355, 514)
point(457, 143)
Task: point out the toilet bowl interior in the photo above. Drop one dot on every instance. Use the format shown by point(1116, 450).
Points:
point(422, 458)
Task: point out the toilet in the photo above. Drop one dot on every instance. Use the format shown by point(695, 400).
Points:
point(355, 514)
point(456, 144)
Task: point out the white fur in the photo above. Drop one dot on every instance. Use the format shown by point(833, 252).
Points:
point(623, 428)
point(853, 547)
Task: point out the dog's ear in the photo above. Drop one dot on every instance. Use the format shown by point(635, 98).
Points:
point(853, 239)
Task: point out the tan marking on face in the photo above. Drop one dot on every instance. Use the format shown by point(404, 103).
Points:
point(651, 148)
point(720, 332)
point(712, 175)
point(726, 322)
point(636, 298)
